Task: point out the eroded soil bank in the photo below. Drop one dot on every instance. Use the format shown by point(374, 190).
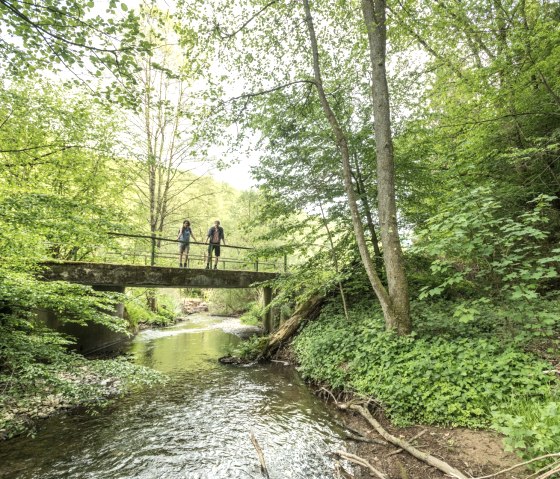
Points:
point(475, 453)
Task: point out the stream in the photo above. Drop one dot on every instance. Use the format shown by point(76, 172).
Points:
point(197, 425)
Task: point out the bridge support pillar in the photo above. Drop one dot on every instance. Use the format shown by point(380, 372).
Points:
point(267, 318)
point(91, 337)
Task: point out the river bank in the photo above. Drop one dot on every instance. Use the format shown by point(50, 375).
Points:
point(68, 384)
point(474, 452)
point(196, 344)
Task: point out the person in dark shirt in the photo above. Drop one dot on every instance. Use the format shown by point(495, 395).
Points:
point(213, 238)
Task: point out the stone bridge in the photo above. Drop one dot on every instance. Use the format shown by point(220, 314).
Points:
point(120, 276)
point(117, 277)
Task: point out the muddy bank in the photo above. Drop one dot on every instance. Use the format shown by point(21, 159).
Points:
point(475, 453)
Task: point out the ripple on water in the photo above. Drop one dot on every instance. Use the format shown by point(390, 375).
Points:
point(197, 426)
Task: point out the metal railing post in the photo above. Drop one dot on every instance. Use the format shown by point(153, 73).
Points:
point(153, 259)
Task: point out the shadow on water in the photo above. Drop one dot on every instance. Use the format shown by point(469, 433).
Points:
point(195, 426)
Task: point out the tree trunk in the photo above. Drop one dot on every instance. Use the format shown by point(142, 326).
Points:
point(370, 224)
point(374, 16)
point(393, 316)
point(151, 300)
point(305, 312)
point(335, 262)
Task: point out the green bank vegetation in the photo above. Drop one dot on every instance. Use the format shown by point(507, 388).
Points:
point(409, 166)
point(475, 136)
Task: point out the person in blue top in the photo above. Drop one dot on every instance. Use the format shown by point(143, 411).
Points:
point(184, 238)
point(214, 236)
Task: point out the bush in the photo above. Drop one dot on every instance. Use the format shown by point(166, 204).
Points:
point(477, 248)
point(531, 427)
point(250, 348)
point(138, 313)
point(447, 380)
point(254, 314)
point(39, 376)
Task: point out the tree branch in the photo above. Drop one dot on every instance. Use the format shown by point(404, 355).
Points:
point(271, 90)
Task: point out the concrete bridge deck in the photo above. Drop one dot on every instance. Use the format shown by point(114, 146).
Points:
point(121, 275)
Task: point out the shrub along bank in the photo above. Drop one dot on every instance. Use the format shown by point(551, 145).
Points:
point(137, 312)
point(488, 373)
point(39, 375)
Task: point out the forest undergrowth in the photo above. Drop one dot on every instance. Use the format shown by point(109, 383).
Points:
point(499, 372)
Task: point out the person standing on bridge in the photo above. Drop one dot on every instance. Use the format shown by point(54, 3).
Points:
point(214, 236)
point(184, 239)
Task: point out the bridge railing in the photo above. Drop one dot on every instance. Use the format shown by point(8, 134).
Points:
point(152, 250)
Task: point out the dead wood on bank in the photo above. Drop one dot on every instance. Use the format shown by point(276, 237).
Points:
point(361, 462)
point(402, 444)
point(305, 312)
point(553, 468)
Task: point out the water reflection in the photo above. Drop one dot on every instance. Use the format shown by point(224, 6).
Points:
point(197, 426)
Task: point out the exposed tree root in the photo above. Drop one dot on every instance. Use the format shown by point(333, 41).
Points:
point(340, 397)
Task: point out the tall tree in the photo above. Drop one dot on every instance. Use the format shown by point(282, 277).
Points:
point(394, 299)
point(375, 19)
point(163, 133)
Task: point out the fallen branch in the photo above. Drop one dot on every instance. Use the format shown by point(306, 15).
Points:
point(305, 312)
point(362, 462)
point(411, 440)
point(328, 392)
point(264, 470)
point(423, 456)
point(521, 464)
point(417, 436)
point(543, 470)
point(354, 435)
point(340, 472)
point(550, 473)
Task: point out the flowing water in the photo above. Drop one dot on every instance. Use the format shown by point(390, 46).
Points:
point(197, 425)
